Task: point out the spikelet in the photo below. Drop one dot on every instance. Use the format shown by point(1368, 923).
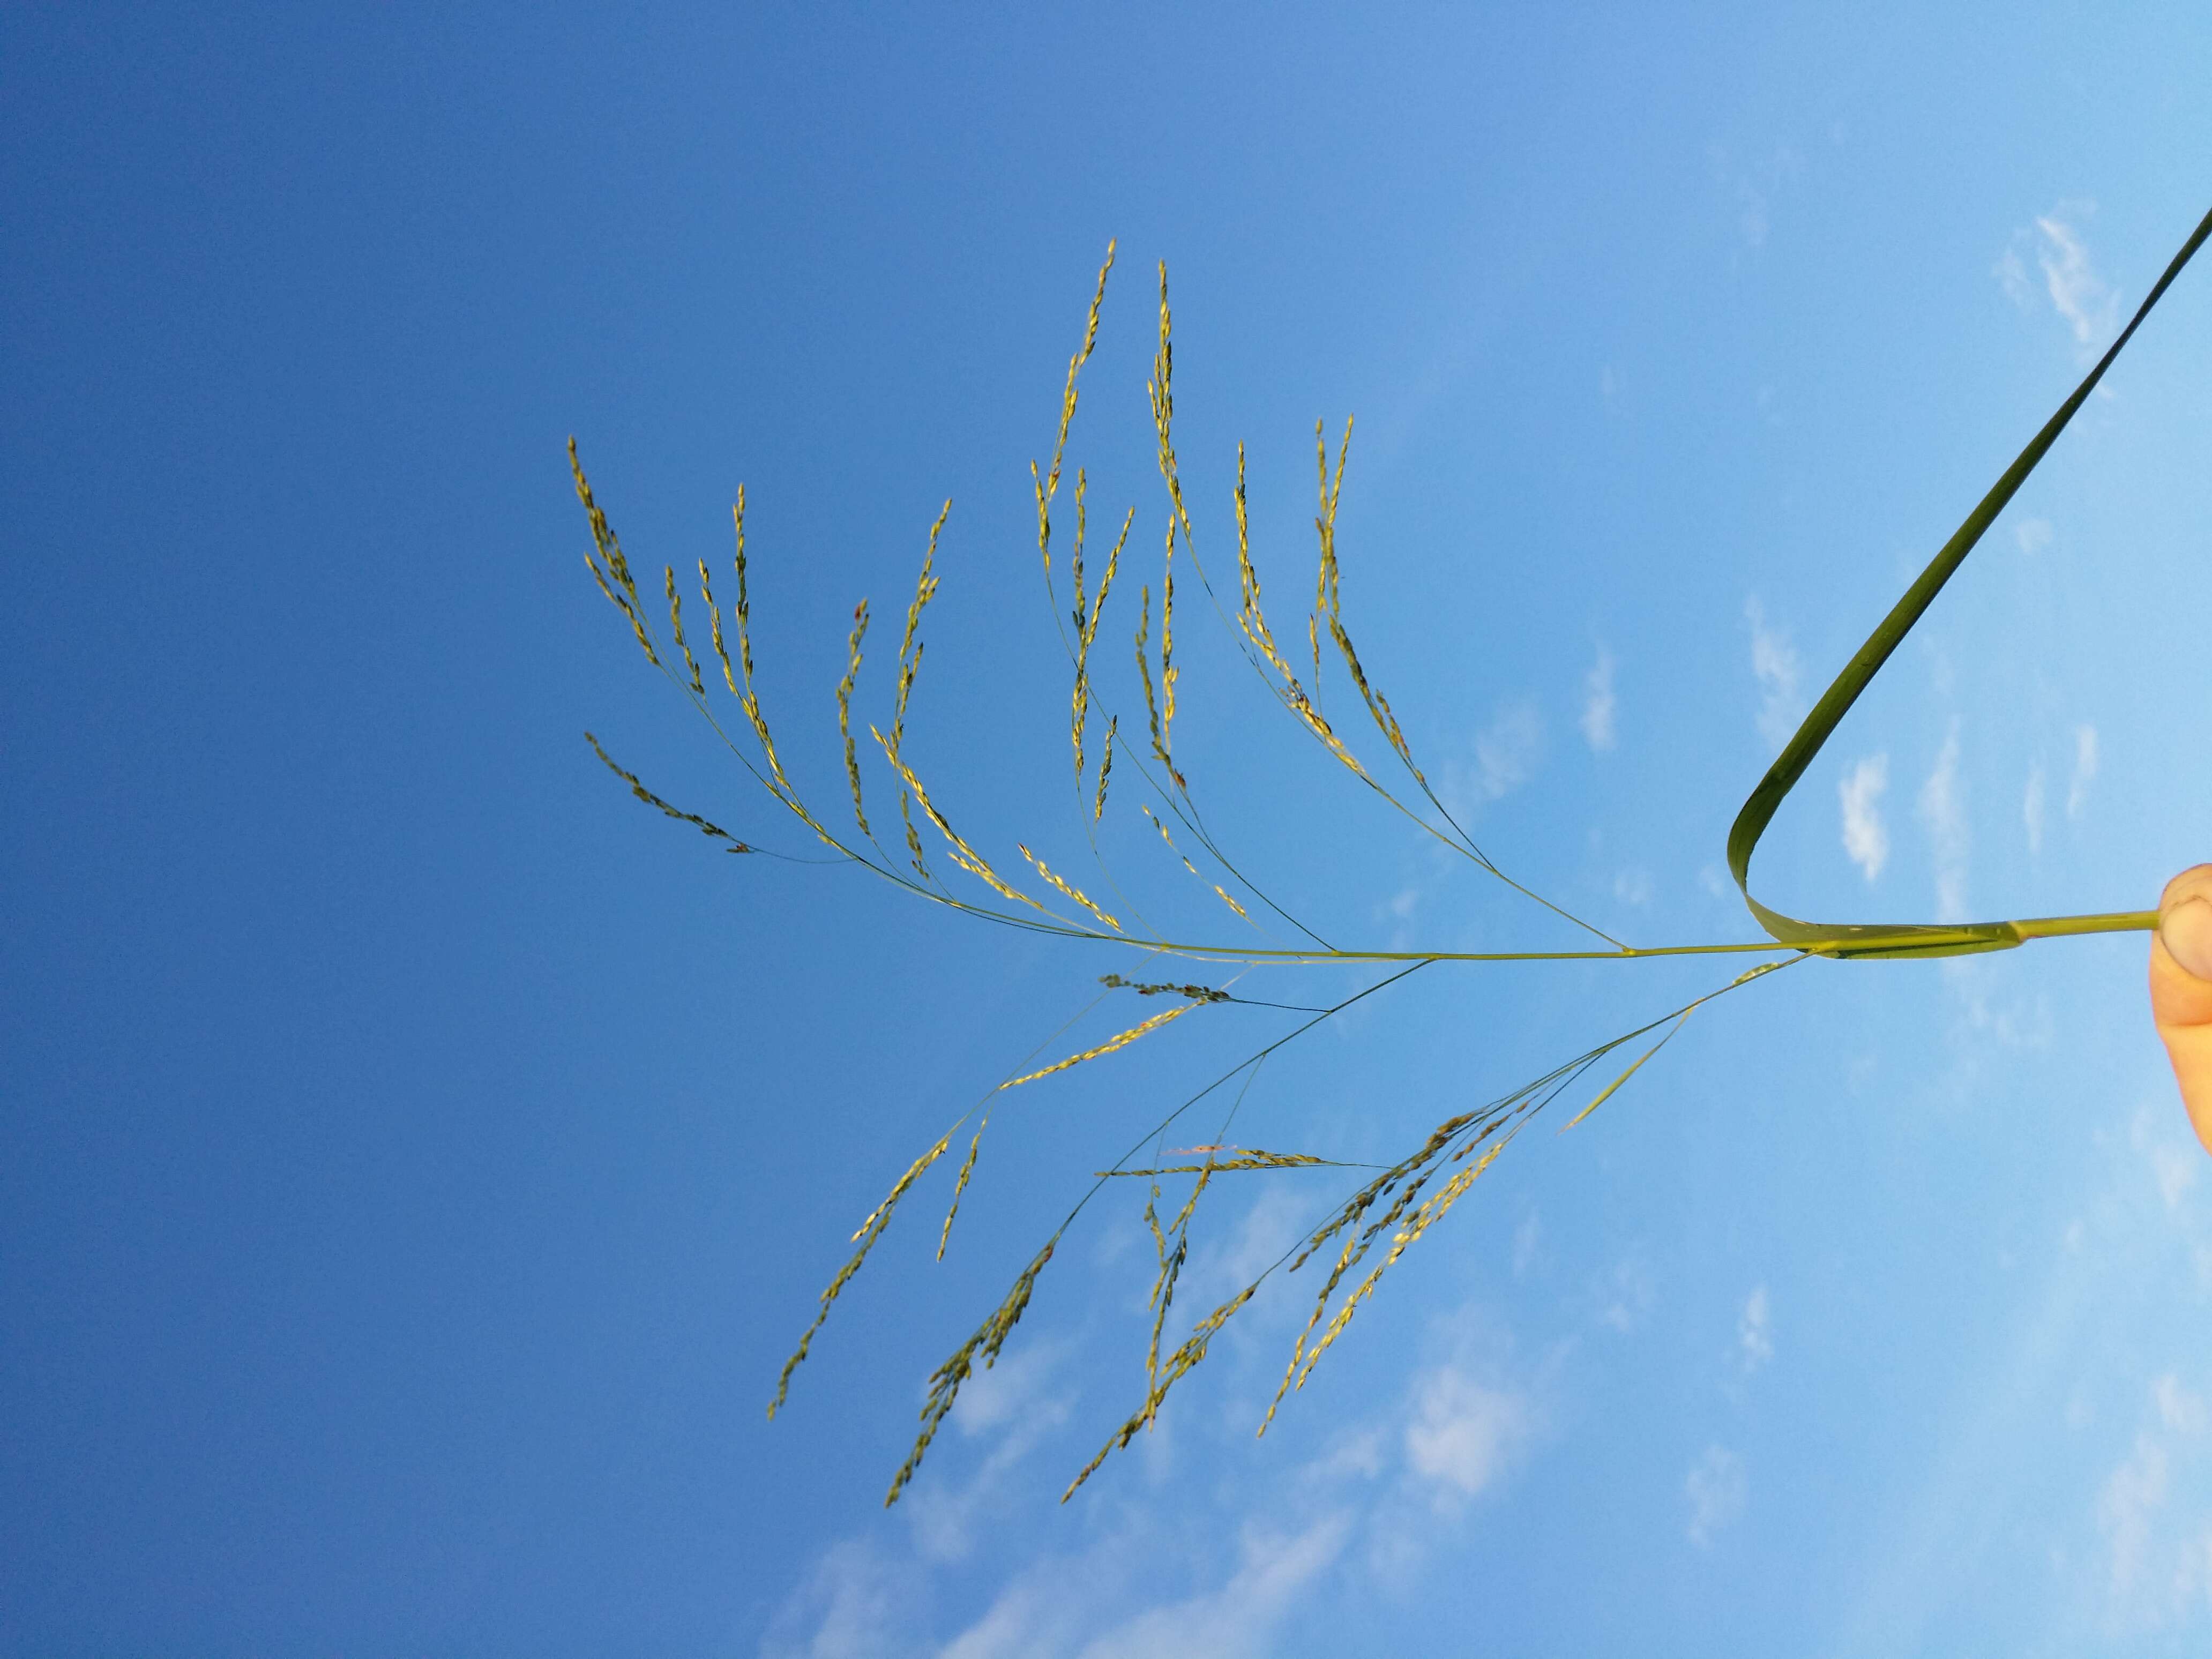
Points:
point(1250, 618)
point(1048, 486)
point(925, 589)
point(870, 1230)
point(1120, 1040)
point(1170, 840)
point(1220, 890)
point(960, 1185)
point(963, 855)
point(944, 1383)
point(622, 593)
point(676, 626)
point(1167, 670)
point(1195, 992)
point(1163, 1297)
point(845, 713)
point(1105, 768)
point(1356, 1243)
point(1326, 573)
point(714, 625)
point(1144, 664)
point(1162, 389)
point(1355, 1247)
point(1179, 1364)
point(1254, 622)
point(651, 799)
point(1245, 1158)
point(1329, 602)
point(742, 612)
point(1068, 888)
point(1086, 629)
point(1429, 1212)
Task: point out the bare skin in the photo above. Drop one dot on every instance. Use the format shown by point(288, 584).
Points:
point(2181, 989)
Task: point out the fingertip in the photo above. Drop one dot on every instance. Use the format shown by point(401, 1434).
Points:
point(2195, 882)
point(2186, 930)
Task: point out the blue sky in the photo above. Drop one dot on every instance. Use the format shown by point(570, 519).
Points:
point(421, 1157)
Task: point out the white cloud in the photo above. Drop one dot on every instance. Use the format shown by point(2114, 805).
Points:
point(1038, 1614)
point(1383, 1503)
point(1462, 1432)
point(1011, 1394)
point(1774, 663)
point(1755, 1340)
point(1718, 1492)
point(2175, 1169)
point(2159, 1562)
point(2031, 808)
point(2084, 300)
point(2033, 535)
point(1627, 1297)
point(855, 1604)
point(2085, 768)
point(1943, 812)
point(2178, 1410)
point(2132, 1495)
point(2173, 1161)
point(1866, 839)
point(1525, 1237)
point(1755, 187)
point(1268, 1229)
point(1633, 887)
point(1598, 703)
point(1238, 1619)
point(1006, 1390)
point(2077, 293)
point(1506, 752)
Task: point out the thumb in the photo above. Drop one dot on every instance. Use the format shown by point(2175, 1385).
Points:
point(2185, 931)
point(2181, 989)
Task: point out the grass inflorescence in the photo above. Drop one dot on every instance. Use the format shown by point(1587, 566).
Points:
point(1369, 1230)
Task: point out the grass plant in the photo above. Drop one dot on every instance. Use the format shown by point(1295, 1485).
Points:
point(1396, 1206)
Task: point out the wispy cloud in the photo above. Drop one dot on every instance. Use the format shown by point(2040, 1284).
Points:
point(1598, 703)
point(1943, 813)
point(2173, 1162)
point(1755, 1340)
point(1239, 1619)
point(1718, 1492)
point(2031, 808)
point(1525, 1239)
point(1754, 185)
point(1463, 1432)
point(1012, 1396)
point(1625, 1297)
point(1866, 838)
point(1505, 754)
point(2033, 535)
point(2084, 300)
point(2077, 293)
point(2158, 1564)
point(1774, 663)
point(1633, 886)
point(857, 1603)
point(2085, 768)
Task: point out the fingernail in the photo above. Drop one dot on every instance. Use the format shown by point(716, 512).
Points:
point(2186, 932)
